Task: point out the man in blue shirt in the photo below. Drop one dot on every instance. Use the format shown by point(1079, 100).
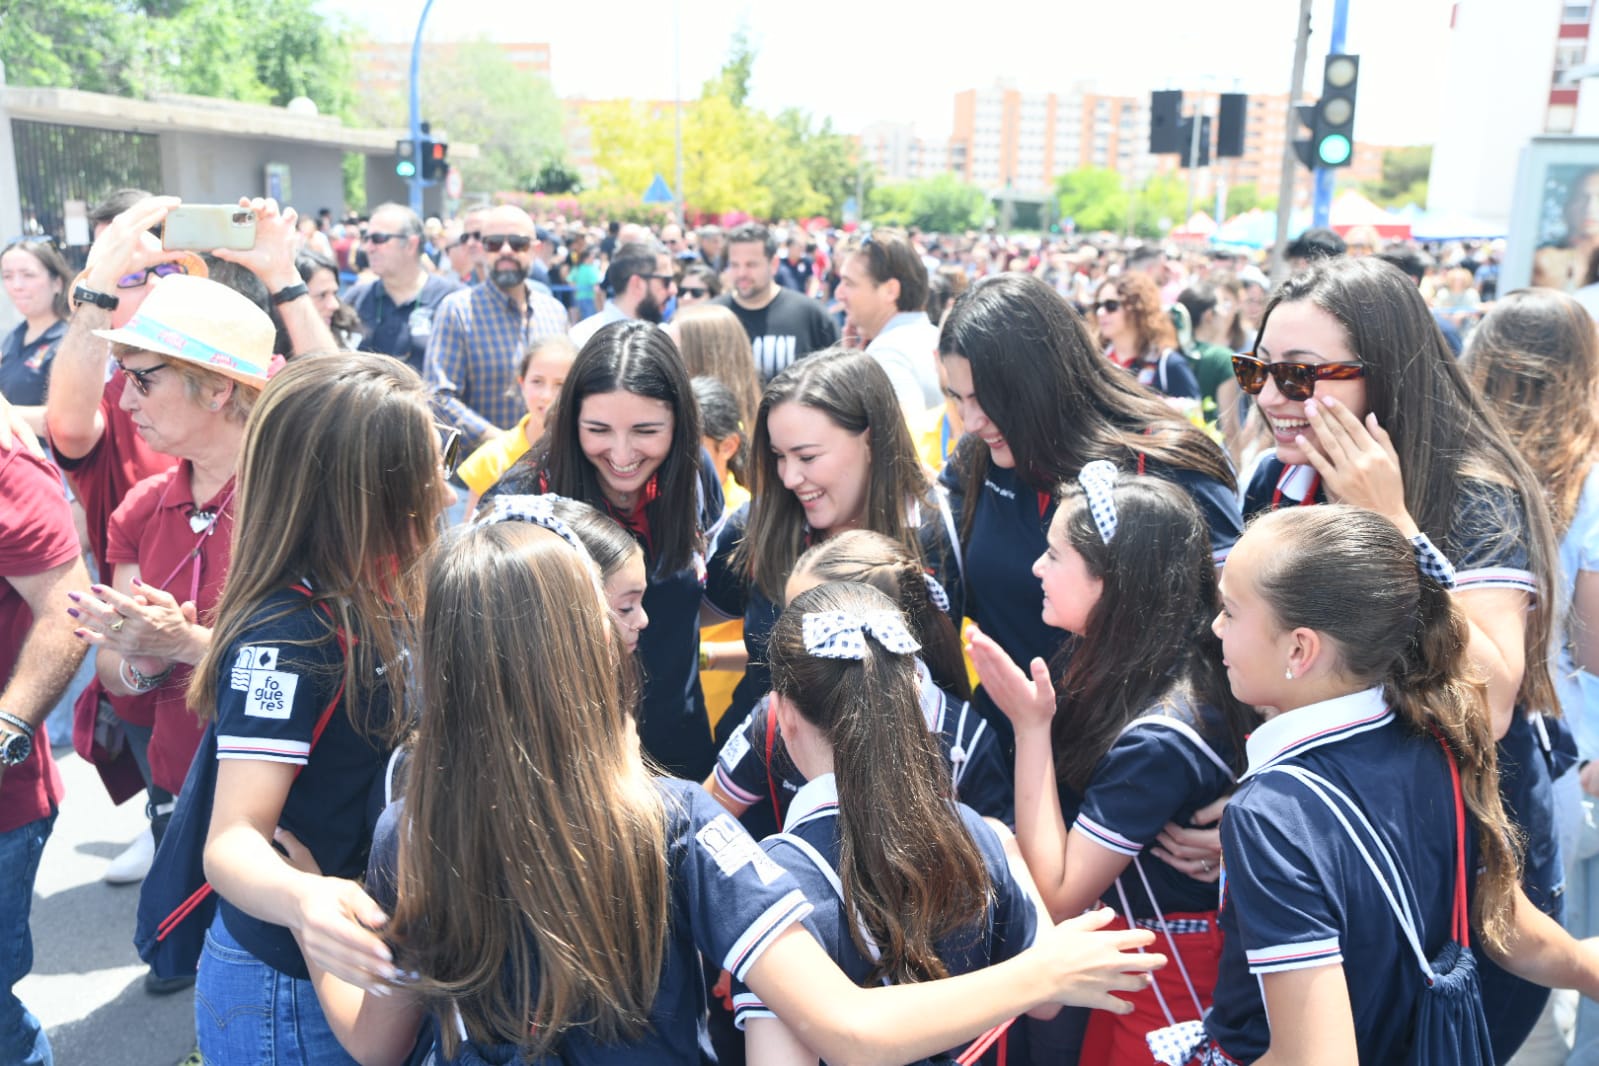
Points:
point(398, 306)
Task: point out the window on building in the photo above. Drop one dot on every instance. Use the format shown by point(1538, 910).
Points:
point(1577, 13)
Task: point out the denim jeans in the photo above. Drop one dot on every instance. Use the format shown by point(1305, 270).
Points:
point(158, 801)
point(248, 1014)
point(22, 1039)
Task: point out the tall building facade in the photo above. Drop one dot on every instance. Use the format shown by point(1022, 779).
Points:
point(1006, 138)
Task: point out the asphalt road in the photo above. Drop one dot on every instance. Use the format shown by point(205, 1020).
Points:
point(87, 981)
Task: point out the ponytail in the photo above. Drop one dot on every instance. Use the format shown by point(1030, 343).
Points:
point(910, 873)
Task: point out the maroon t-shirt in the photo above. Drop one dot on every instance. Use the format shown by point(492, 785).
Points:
point(119, 460)
point(179, 549)
point(36, 534)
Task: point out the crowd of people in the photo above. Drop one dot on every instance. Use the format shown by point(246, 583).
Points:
point(536, 643)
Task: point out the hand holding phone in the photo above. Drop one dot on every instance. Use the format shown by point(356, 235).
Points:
point(206, 227)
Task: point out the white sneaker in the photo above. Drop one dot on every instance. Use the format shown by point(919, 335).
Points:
point(130, 867)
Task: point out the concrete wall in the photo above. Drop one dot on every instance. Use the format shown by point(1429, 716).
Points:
point(214, 169)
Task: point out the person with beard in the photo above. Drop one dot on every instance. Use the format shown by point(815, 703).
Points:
point(641, 280)
point(480, 335)
point(783, 325)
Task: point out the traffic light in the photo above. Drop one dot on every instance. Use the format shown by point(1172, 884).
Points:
point(1331, 120)
point(435, 160)
point(404, 159)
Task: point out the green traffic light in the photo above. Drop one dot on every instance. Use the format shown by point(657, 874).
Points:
point(1334, 150)
point(405, 168)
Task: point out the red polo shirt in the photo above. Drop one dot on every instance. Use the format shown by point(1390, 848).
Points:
point(119, 460)
point(152, 529)
point(36, 534)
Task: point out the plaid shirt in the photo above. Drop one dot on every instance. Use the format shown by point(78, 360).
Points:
point(478, 339)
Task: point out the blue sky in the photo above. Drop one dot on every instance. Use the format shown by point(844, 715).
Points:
point(866, 62)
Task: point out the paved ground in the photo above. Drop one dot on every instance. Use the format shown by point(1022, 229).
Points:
point(86, 985)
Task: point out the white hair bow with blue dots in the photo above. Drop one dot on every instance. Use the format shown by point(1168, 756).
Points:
point(842, 634)
point(1098, 480)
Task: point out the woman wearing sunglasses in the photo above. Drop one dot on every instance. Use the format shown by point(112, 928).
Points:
point(1139, 337)
point(1368, 407)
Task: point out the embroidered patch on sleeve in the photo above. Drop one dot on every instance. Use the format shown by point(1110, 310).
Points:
point(733, 849)
point(269, 692)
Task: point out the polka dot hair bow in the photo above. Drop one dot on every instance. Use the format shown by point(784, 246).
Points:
point(1098, 480)
point(936, 593)
point(539, 510)
point(842, 634)
point(1432, 562)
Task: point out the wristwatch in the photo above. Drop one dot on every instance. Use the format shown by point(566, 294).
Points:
point(82, 294)
point(290, 292)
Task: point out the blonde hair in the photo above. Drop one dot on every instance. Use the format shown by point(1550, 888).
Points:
point(715, 345)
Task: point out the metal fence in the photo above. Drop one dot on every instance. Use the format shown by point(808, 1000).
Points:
point(58, 163)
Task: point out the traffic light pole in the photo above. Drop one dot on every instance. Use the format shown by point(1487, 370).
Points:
point(1285, 187)
point(416, 179)
point(1321, 209)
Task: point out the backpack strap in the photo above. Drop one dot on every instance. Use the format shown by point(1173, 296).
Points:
point(771, 745)
point(1393, 891)
point(941, 497)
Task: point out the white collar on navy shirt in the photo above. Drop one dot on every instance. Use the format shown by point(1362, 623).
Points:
point(817, 798)
point(1315, 724)
point(1295, 481)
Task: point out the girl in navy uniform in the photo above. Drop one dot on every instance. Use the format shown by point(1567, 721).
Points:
point(1370, 793)
point(831, 452)
point(907, 891)
point(754, 768)
point(625, 438)
point(551, 898)
point(1039, 403)
point(1369, 407)
point(1139, 730)
point(340, 484)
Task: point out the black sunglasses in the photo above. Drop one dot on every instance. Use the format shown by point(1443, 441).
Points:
point(449, 448)
point(1296, 381)
point(468, 238)
point(385, 238)
point(160, 270)
point(1110, 307)
point(140, 378)
point(693, 290)
point(519, 243)
point(671, 278)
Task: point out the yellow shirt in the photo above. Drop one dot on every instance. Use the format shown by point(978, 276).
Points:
point(718, 685)
point(483, 467)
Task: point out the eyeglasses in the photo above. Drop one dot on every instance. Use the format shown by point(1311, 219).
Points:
point(668, 278)
point(519, 243)
point(693, 290)
point(385, 238)
point(160, 270)
point(449, 448)
point(468, 238)
point(1296, 381)
point(140, 378)
point(1110, 307)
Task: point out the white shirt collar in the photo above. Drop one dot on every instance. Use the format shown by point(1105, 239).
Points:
point(817, 798)
point(932, 697)
point(901, 319)
point(1295, 482)
point(1315, 724)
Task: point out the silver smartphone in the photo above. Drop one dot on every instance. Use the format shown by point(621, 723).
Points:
point(202, 227)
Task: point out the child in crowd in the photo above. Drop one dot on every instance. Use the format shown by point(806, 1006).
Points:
point(540, 377)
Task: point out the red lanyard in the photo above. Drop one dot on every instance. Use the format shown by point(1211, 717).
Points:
point(1309, 498)
point(194, 555)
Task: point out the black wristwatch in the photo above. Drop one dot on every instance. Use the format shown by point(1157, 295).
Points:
point(85, 295)
point(290, 292)
point(15, 748)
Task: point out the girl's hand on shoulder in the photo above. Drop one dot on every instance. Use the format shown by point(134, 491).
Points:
point(1194, 851)
point(335, 932)
point(1028, 701)
point(1357, 461)
point(1088, 963)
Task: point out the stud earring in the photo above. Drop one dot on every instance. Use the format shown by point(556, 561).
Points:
point(1289, 673)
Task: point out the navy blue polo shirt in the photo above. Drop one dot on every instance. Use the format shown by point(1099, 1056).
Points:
point(1299, 895)
point(728, 901)
point(1166, 765)
point(729, 592)
point(1008, 928)
point(978, 771)
point(276, 679)
point(1010, 530)
point(398, 330)
point(25, 367)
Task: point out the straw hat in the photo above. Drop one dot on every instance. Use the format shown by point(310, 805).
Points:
point(205, 323)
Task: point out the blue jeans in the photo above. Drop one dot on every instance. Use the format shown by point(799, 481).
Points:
point(22, 1039)
point(248, 1014)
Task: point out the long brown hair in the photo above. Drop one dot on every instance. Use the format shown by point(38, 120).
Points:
point(1060, 404)
point(1349, 574)
point(852, 390)
point(1147, 642)
point(883, 563)
point(1535, 359)
point(910, 872)
point(1446, 436)
point(339, 485)
point(533, 884)
point(715, 345)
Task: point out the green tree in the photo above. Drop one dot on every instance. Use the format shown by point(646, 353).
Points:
point(1404, 177)
point(1093, 198)
point(942, 204)
point(1163, 198)
point(733, 80)
point(1242, 198)
point(555, 178)
point(76, 44)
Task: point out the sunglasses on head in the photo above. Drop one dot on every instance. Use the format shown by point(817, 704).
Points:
point(140, 378)
point(160, 270)
point(449, 448)
point(1296, 381)
point(693, 290)
point(1110, 307)
point(518, 242)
